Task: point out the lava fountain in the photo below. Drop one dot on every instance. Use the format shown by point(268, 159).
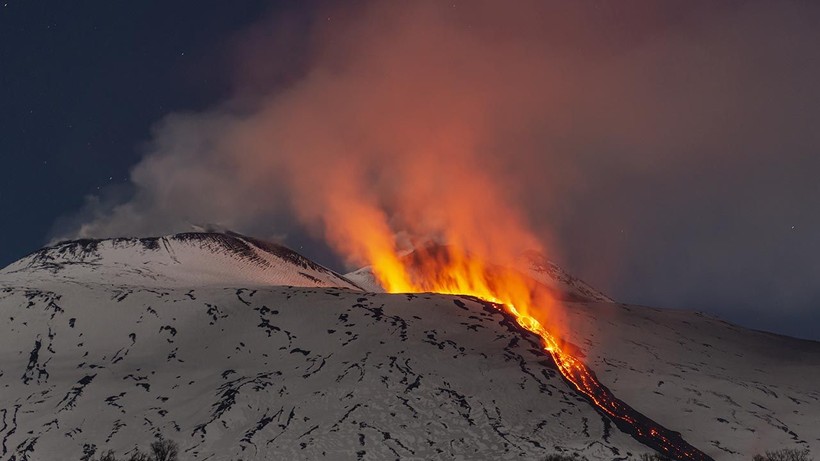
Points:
point(446, 270)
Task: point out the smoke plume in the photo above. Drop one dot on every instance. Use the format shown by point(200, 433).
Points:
point(663, 151)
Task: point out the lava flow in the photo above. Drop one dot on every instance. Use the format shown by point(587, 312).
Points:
point(448, 271)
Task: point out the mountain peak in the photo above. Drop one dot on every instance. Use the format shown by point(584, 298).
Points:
point(190, 258)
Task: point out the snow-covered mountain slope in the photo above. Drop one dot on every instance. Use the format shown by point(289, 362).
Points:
point(107, 351)
point(365, 278)
point(190, 259)
point(281, 373)
point(730, 391)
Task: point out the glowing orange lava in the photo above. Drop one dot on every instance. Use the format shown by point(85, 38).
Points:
point(446, 270)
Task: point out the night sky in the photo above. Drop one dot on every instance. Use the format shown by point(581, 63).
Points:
point(81, 87)
point(669, 151)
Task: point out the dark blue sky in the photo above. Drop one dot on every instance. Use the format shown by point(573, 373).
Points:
point(672, 157)
point(81, 84)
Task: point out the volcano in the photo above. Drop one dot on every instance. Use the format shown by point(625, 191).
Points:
point(242, 349)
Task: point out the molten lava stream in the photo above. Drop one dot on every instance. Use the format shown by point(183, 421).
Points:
point(625, 417)
point(445, 270)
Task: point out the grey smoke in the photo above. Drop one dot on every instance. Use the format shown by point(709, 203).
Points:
point(668, 152)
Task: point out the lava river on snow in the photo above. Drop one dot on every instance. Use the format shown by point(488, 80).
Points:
point(445, 270)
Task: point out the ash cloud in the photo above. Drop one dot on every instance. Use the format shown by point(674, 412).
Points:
point(665, 152)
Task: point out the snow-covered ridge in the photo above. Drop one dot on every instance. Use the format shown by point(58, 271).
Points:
point(188, 259)
point(229, 258)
